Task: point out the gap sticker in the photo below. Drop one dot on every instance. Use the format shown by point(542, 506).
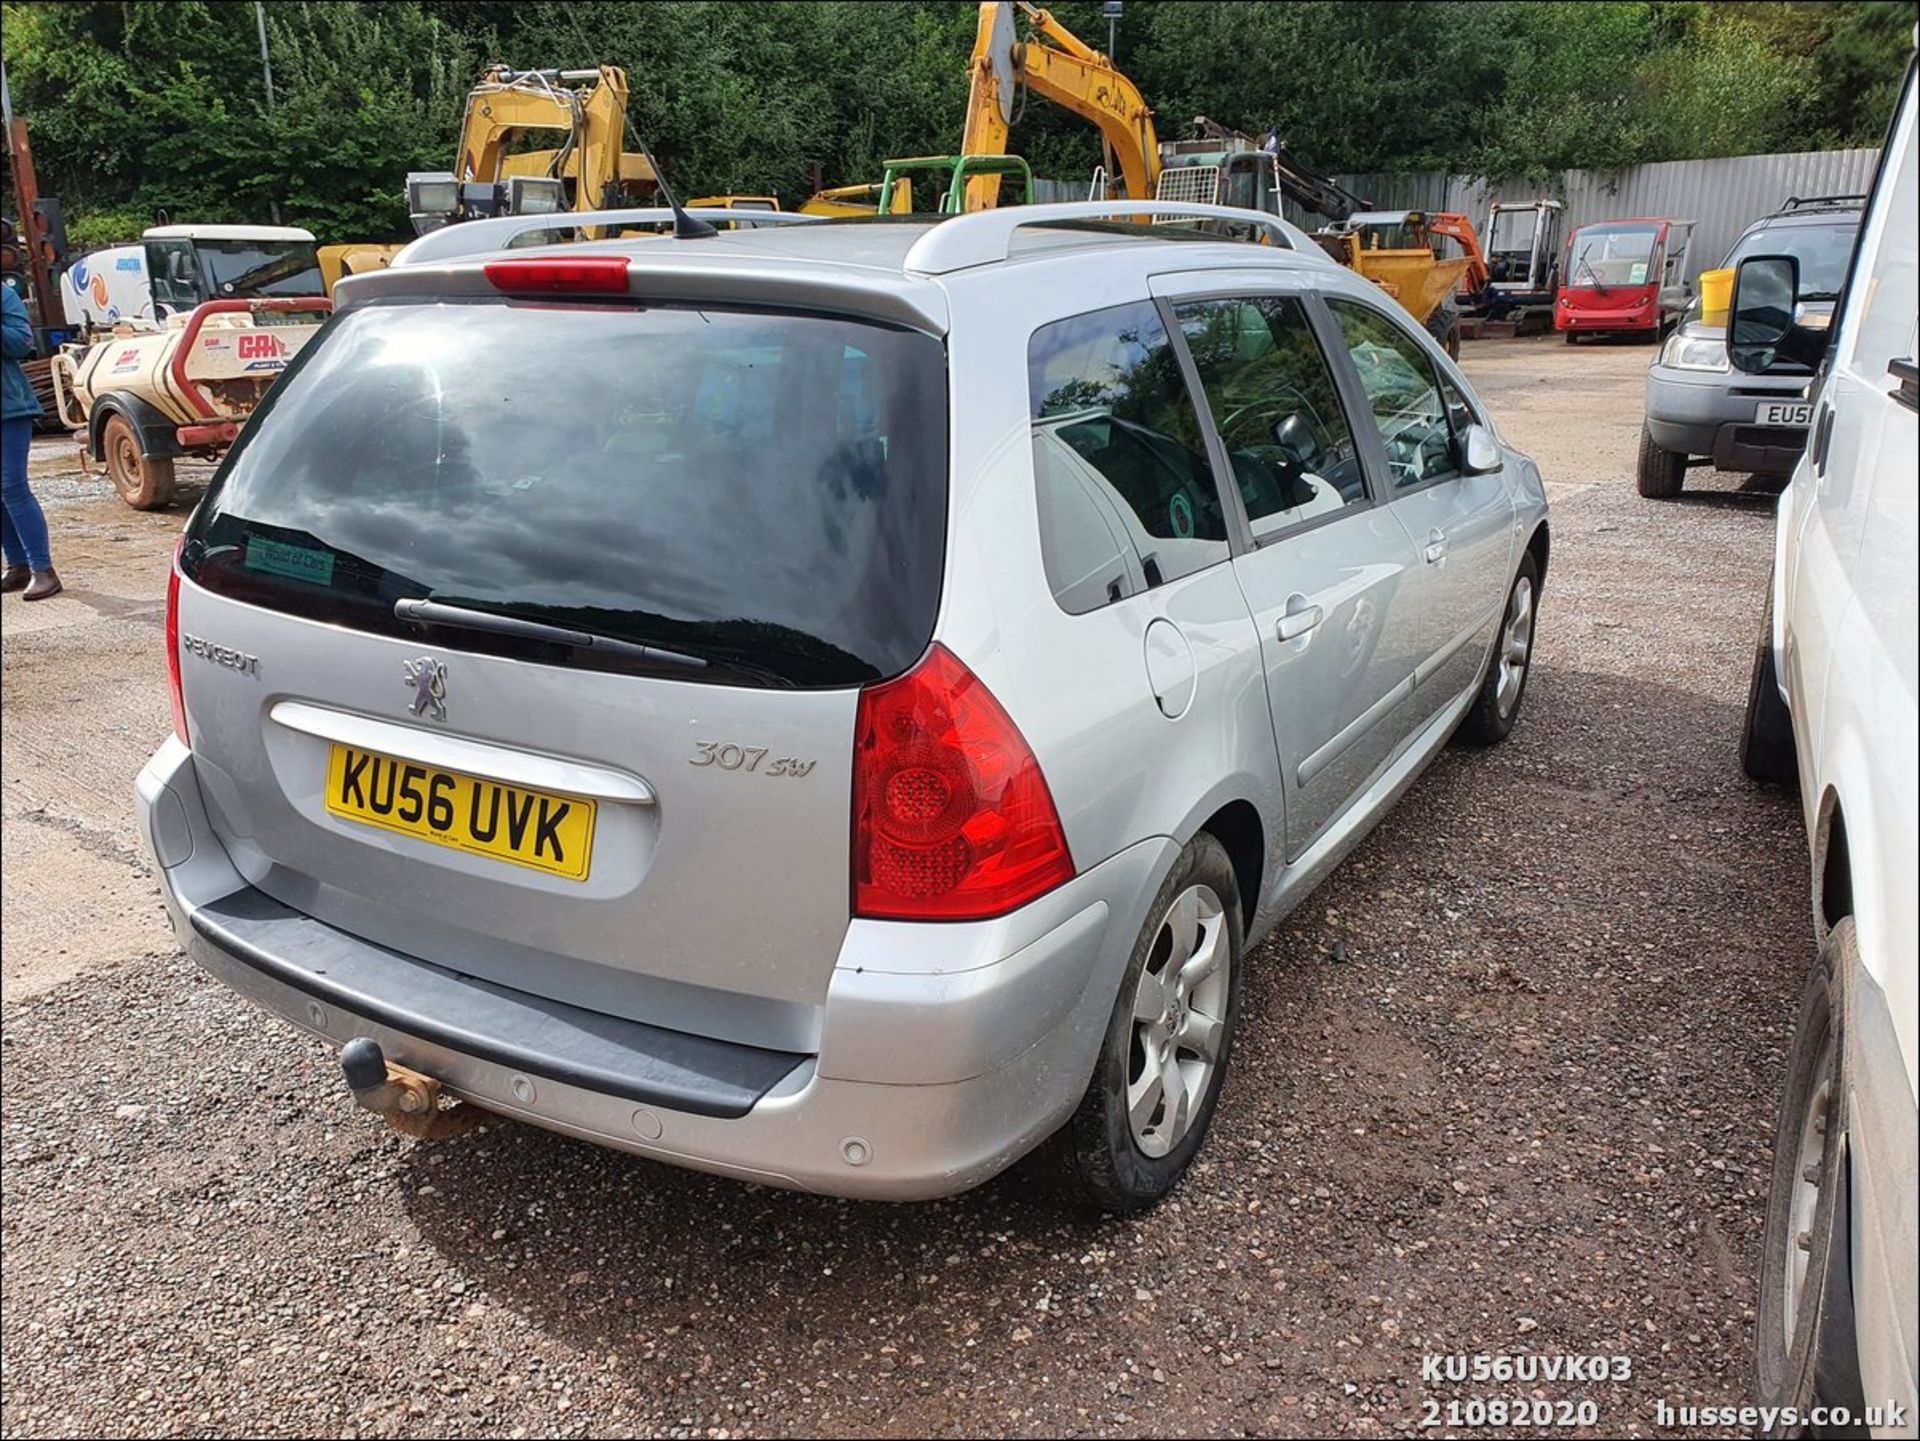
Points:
point(297, 562)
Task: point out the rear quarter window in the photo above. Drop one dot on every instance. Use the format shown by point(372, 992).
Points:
point(766, 492)
point(1127, 497)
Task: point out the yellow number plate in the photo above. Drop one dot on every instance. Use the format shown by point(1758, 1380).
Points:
point(528, 828)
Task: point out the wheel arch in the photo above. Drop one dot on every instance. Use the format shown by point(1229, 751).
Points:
point(156, 432)
point(1242, 834)
point(1833, 865)
point(1539, 546)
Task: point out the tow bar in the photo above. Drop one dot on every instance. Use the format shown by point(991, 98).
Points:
point(409, 1102)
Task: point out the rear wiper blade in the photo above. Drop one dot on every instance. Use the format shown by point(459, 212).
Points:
point(459, 617)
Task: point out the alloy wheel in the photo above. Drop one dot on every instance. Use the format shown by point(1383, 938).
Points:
point(1809, 1171)
point(1516, 647)
point(1179, 1020)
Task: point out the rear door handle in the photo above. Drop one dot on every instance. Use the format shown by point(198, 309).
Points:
point(1435, 549)
point(1300, 616)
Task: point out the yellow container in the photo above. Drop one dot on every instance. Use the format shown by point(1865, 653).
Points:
point(1716, 296)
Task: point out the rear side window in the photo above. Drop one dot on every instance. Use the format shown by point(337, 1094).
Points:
point(766, 493)
point(1127, 497)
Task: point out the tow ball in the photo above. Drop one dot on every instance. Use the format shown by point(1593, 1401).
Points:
point(413, 1104)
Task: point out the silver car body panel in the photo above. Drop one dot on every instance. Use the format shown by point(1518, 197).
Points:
point(721, 909)
point(750, 962)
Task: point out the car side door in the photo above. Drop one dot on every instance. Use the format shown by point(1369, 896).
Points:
point(1320, 562)
point(1461, 524)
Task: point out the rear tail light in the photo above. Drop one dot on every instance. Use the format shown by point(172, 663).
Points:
point(952, 819)
point(582, 275)
point(173, 645)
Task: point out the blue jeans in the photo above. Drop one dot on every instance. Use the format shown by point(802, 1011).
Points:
point(24, 532)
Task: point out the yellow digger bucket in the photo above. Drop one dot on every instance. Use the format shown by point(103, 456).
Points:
point(1413, 277)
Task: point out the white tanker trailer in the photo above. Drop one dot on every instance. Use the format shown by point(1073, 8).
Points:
point(182, 345)
point(138, 400)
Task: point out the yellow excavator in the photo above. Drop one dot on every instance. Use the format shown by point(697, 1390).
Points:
point(590, 169)
point(873, 198)
point(1402, 252)
point(1053, 63)
point(1056, 65)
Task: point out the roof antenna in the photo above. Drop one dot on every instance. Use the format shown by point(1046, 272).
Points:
point(685, 226)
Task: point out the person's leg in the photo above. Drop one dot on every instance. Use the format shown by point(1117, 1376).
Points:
point(16, 556)
point(25, 520)
point(23, 510)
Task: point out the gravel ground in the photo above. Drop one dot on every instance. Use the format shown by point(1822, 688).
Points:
point(1504, 1084)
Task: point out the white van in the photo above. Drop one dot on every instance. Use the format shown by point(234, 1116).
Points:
point(1833, 703)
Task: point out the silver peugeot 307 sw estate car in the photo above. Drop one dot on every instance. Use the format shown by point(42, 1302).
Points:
point(831, 704)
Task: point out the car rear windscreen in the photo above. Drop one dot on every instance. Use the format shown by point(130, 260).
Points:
point(764, 492)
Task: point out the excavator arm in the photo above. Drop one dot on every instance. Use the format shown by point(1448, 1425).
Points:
point(1461, 229)
point(1056, 65)
point(593, 156)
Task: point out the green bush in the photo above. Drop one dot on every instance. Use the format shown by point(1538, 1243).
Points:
point(94, 229)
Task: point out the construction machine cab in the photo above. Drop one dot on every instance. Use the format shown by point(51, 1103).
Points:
point(1221, 169)
point(1523, 250)
point(1223, 166)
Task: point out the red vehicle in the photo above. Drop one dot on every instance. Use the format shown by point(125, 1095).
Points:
point(1624, 276)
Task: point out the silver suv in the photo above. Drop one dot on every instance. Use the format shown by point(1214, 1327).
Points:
point(1700, 410)
point(832, 704)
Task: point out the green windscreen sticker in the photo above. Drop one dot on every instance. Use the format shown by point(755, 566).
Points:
point(297, 562)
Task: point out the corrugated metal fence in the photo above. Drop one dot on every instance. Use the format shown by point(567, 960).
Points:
point(1722, 196)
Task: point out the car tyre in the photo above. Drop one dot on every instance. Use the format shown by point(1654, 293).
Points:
point(1110, 1155)
point(1766, 731)
point(1660, 473)
point(145, 482)
point(1509, 662)
point(1803, 1328)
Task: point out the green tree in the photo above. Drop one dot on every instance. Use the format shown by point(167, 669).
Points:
point(135, 104)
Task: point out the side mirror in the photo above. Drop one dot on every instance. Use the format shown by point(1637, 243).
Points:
point(1761, 330)
point(1482, 451)
point(1295, 438)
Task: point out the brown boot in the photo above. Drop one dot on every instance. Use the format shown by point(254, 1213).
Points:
point(43, 584)
point(14, 577)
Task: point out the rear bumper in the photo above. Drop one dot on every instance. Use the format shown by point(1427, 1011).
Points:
point(946, 1053)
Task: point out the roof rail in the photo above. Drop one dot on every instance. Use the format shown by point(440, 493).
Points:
point(483, 237)
point(985, 237)
point(1797, 202)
